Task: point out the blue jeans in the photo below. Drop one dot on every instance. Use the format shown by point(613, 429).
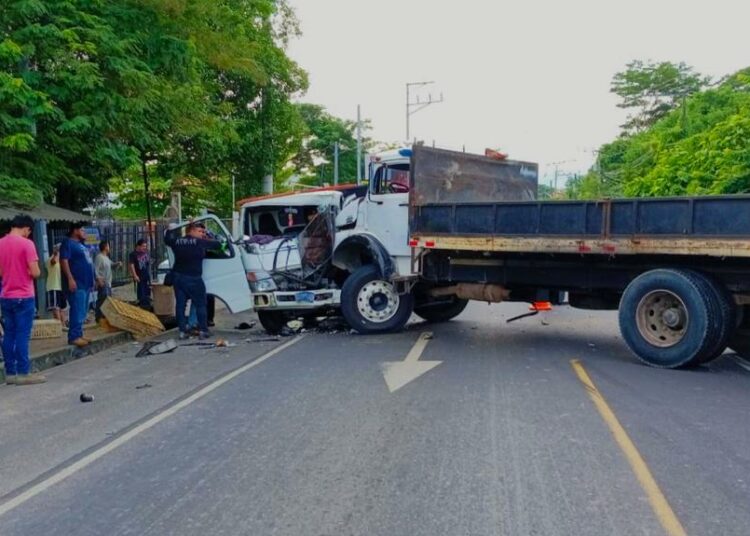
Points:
point(18, 320)
point(101, 294)
point(79, 307)
point(190, 287)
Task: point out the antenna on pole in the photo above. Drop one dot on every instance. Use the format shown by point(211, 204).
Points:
point(414, 107)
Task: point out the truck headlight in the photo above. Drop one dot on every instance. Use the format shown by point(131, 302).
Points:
point(261, 282)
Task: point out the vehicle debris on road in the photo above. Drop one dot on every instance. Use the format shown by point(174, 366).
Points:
point(85, 397)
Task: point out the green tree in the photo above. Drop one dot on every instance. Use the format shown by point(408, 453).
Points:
point(91, 90)
point(315, 160)
point(701, 148)
point(651, 90)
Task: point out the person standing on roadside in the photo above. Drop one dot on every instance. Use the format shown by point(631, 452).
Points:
point(103, 271)
point(19, 266)
point(78, 271)
point(56, 301)
point(139, 266)
point(189, 252)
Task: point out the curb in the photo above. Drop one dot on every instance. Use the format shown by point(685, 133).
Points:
point(54, 358)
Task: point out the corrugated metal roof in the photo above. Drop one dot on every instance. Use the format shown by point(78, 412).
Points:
point(43, 212)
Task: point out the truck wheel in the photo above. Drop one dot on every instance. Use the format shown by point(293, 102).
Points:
point(272, 321)
point(727, 315)
point(739, 342)
point(441, 312)
point(371, 305)
point(669, 318)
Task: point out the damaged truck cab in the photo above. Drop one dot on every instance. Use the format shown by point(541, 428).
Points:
point(339, 248)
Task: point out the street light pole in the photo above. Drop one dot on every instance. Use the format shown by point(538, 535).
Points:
point(359, 145)
point(336, 163)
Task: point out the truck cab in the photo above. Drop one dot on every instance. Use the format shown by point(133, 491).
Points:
point(363, 267)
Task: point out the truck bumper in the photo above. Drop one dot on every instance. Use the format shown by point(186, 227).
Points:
point(301, 299)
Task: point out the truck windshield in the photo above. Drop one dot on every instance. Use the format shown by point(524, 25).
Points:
point(275, 221)
point(391, 179)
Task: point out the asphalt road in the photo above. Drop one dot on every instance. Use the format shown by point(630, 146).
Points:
point(501, 437)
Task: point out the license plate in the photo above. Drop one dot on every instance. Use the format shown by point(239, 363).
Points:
point(305, 297)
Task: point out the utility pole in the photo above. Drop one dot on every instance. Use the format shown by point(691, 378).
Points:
point(414, 107)
point(359, 145)
point(336, 163)
point(557, 169)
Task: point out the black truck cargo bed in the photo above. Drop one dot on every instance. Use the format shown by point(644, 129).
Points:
point(708, 225)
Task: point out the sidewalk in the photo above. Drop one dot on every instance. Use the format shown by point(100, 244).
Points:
point(48, 353)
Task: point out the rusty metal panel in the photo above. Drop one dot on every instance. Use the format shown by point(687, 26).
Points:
point(449, 177)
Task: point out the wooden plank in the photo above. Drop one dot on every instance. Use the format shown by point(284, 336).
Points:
point(611, 247)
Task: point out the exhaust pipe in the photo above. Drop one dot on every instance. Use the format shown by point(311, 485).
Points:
point(474, 291)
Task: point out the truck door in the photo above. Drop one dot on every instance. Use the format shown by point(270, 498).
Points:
point(223, 271)
point(388, 208)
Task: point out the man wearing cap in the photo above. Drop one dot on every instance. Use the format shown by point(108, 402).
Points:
point(78, 272)
point(19, 266)
point(187, 271)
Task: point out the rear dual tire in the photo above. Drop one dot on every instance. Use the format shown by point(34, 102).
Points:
point(676, 318)
point(441, 312)
point(739, 342)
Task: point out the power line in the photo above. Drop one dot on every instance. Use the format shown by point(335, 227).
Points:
point(414, 107)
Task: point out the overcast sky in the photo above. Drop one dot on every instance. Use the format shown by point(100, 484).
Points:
point(529, 77)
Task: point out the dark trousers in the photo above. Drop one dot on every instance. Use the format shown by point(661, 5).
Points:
point(187, 287)
point(143, 290)
point(102, 294)
point(210, 307)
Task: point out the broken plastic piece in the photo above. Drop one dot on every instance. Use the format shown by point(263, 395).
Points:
point(540, 306)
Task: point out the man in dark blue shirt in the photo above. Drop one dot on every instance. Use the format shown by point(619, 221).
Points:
point(187, 273)
point(78, 272)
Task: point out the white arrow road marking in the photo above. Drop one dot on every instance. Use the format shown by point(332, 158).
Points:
point(399, 373)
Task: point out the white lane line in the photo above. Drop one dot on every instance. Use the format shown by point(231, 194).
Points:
point(64, 473)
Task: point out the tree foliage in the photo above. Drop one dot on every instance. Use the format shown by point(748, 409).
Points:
point(700, 147)
point(651, 90)
point(315, 160)
point(197, 90)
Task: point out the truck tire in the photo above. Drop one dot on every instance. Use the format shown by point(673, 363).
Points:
point(371, 305)
point(739, 342)
point(670, 318)
point(441, 312)
point(272, 321)
point(727, 311)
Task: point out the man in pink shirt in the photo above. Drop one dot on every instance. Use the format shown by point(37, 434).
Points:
point(19, 266)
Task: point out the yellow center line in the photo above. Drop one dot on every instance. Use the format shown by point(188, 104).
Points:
point(658, 501)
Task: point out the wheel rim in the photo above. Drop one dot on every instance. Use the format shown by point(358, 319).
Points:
point(662, 318)
point(377, 301)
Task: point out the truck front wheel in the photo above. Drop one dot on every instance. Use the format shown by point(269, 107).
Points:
point(372, 305)
point(670, 318)
point(272, 321)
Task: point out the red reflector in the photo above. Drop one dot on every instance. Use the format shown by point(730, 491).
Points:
point(541, 306)
point(429, 244)
point(413, 243)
